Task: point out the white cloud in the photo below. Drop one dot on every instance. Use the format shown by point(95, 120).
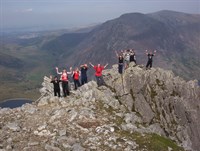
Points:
point(28, 10)
point(25, 10)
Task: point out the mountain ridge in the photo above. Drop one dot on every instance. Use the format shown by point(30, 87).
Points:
point(175, 38)
point(139, 110)
point(175, 35)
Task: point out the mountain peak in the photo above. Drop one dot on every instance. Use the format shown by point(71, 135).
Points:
point(170, 12)
point(131, 14)
point(138, 110)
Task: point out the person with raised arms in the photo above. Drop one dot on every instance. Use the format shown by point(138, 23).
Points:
point(56, 85)
point(150, 58)
point(132, 56)
point(126, 58)
point(84, 69)
point(64, 79)
point(98, 73)
point(120, 62)
point(76, 74)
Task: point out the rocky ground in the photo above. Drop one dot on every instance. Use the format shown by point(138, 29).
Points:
point(139, 111)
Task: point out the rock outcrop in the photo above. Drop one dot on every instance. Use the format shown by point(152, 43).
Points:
point(139, 110)
point(160, 98)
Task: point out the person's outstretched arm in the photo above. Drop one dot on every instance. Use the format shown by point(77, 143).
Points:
point(116, 53)
point(146, 52)
point(91, 64)
point(154, 52)
point(58, 71)
point(70, 71)
point(51, 78)
point(106, 65)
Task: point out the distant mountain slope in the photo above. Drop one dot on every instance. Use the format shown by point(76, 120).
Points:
point(8, 61)
point(175, 35)
point(23, 60)
point(64, 42)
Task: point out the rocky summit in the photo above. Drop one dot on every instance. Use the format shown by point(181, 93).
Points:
point(141, 110)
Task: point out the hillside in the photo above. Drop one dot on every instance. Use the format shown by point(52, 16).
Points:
point(174, 35)
point(22, 68)
point(142, 110)
point(23, 61)
point(26, 57)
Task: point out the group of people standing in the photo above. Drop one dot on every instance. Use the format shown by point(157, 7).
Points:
point(124, 58)
point(127, 56)
point(76, 75)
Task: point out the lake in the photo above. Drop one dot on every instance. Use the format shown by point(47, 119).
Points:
point(13, 103)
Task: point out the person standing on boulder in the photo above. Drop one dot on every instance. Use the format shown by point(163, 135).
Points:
point(132, 56)
point(76, 75)
point(64, 79)
point(84, 69)
point(127, 58)
point(150, 58)
point(56, 85)
point(120, 62)
point(98, 73)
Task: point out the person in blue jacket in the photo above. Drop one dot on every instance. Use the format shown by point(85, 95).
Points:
point(84, 69)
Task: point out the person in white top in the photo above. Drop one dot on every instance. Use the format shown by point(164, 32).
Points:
point(64, 79)
point(127, 58)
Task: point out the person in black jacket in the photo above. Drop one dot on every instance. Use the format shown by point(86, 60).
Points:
point(132, 56)
point(150, 58)
point(56, 85)
point(120, 62)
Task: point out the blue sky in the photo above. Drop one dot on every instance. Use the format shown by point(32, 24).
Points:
point(77, 13)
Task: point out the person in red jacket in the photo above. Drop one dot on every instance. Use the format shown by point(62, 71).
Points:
point(76, 75)
point(64, 79)
point(98, 73)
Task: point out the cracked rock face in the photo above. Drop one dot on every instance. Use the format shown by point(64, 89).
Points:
point(160, 97)
point(136, 111)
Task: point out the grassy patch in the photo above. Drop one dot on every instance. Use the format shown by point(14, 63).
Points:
point(15, 90)
point(151, 142)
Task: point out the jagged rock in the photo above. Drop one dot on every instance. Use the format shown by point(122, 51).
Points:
point(132, 107)
point(143, 108)
point(43, 101)
point(66, 146)
point(63, 132)
point(1, 146)
point(9, 147)
point(29, 108)
point(73, 115)
point(42, 127)
point(51, 148)
point(57, 114)
point(155, 128)
point(132, 118)
point(159, 96)
point(13, 126)
point(33, 143)
point(77, 147)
